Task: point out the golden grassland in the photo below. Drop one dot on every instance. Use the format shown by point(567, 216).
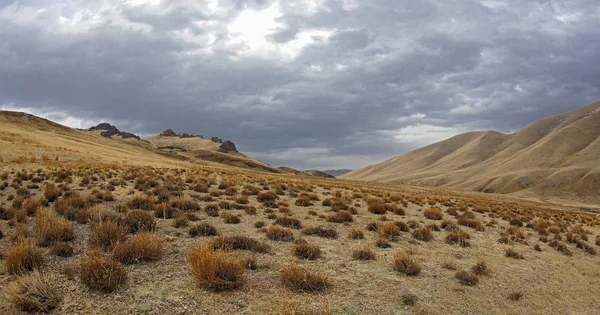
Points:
point(95, 226)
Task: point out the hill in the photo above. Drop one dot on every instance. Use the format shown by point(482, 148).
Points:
point(334, 173)
point(121, 228)
point(557, 156)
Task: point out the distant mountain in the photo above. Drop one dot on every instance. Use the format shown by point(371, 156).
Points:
point(334, 173)
point(337, 173)
point(557, 156)
point(305, 173)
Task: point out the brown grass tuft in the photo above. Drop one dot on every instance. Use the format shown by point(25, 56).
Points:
point(460, 238)
point(356, 234)
point(304, 280)
point(239, 242)
point(320, 231)
point(340, 217)
point(307, 251)
point(481, 268)
point(100, 273)
point(406, 264)
point(139, 220)
point(433, 213)
point(34, 293)
point(203, 229)
point(422, 234)
point(145, 246)
point(288, 222)
point(23, 255)
point(216, 270)
point(51, 228)
point(467, 278)
point(106, 234)
point(279, 234)
point(363, 254)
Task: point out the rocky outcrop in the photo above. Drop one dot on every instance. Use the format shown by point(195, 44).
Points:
point(216, 139)
point(171, 133)
point(227, 146)
point(109, 130)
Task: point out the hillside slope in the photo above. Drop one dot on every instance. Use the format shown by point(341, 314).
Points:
point(557, 156)
point(24, 137)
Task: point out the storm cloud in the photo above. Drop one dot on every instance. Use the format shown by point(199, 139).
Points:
point(311, 84)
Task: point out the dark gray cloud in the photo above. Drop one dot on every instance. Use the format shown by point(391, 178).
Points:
point(309, 84)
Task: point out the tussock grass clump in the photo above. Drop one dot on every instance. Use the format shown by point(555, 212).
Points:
point(512, 253)
point(356, 234)
point(303, 201)
point(138, 221)
point(34, 293)
point(561, 247)
point(307, 251)
point(422, 234)
point(467, 278)
point(481, 268)
point(31, 205)
point(51, 193)
point(340, 217)
point(460, 238)
point(377, 208)
point(279, 234)
point(62, 249)
point(97, 214)
point(51, 228)
point(106, 234)
point(433, 213)
point(320, 231)
point(516, 296)
point(472, 223)
point(203, 229)
point(288, 222)
point(145, 246)
point(405, 263)
point(184, 204)
point(212, 210)
point(230, 218)
point(239, 242)
point(23, 255)
point(389, 231)
point(267, 197)
point(304, 280)
point(408, 299)
point(100, 273)
point(141, 202)
point(363, 254)
point(216, 270)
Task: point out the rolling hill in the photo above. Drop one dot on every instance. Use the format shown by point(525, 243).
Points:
point(557, 156)
point(21, 134)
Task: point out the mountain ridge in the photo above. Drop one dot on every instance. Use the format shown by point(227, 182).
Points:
point(556, 156)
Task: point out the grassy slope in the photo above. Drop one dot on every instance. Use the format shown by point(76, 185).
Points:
point(555, 156)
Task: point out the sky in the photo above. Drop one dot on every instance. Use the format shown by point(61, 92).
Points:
point(310, 84)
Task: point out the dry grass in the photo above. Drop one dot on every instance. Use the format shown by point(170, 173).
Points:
point(51, 228)
point(288, 222)
point(405, 263)
point(203, 229)
point(106, 235)
point(341, 216)
point(363, 254)
point(460, 238)
point(239, 242)
point(145, 246)
point(62, 249)
point(100, 273)
point(356, 234)
point(216, 270)
point(512, 253)
point(467, 278)
point(304, 280)
point(279, 234)
point(51, 193)
point(34, 293)
point(481, 268)
point(433, 213)
point(23, 255)
point(307, 251)
point(139, 220)
point(422, 234)
point(320, 231)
